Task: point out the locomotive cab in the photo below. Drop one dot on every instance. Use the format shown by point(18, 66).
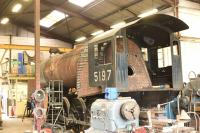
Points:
point(108, 62)
point(155, 55)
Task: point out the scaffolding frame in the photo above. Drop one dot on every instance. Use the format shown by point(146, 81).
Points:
point(55, 103)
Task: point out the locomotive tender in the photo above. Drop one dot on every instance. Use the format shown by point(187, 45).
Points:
point(142, 60)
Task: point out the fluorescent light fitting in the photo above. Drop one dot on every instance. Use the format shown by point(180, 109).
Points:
point(17, 7)
point(4, 20)
point(80, 39)
point(52, 18)
point(97, 32)
point(148, 13)
point(118, 25)
point(81, 3)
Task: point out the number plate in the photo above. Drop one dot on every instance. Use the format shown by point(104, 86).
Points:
point(102, 76)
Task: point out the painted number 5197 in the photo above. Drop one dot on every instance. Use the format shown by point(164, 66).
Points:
point(102, 75)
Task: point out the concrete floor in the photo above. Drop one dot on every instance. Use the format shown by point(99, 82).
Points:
point(15, 125)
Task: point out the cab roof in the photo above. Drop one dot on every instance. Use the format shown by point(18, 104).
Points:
point(154, 29)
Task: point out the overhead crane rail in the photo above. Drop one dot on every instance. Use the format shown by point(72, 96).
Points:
point(30, 47)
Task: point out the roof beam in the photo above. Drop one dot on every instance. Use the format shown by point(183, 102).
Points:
point(44, 32)
point(5, 6)
point(29, 27)
point(59, 23)
point(109, 14)
point(30, 47)
point(26, 13)
point(119, 6)
point(75, 14)
point(171, 2)
point(136, 17)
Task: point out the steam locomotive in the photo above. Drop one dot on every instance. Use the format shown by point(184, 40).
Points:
point(142, 60)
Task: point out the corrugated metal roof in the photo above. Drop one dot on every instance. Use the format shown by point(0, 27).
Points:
point(121, 2)
point(77, 34)
point(110, 33)
point(118, 16)
point(76, 22)
point(90, 28)
point(101, 9)
point(100, 14)
point(145, 5)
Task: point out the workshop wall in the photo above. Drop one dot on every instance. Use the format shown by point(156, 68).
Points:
point(189, 12)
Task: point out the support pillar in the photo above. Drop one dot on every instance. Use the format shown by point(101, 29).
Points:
point(38, 121)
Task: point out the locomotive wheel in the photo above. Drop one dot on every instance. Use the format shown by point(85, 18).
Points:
point(78, 109)
point(66, 105)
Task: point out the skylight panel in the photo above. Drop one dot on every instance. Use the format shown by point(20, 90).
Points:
point(52, 18)
point(17, 7)
point(4, 20)
point(81, 3)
